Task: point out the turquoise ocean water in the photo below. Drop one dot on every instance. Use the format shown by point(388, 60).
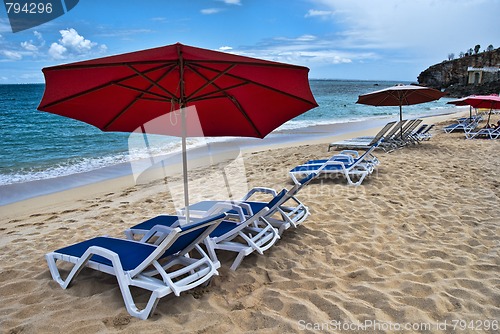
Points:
point(38, 146)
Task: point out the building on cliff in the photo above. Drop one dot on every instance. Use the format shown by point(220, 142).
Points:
point(473, 74)
point(481, 75)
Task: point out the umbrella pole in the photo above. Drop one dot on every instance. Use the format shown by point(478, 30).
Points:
point(184, 165)
point(401, 119)
point(489, 115)
point(182, 106)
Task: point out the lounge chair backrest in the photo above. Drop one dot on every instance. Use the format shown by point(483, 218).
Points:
point(420, 129)
point(277, 200)
point(361, 158)
point(303, 182)
point(181, 239)
point(382, 132)
point(394, 130)
point(370, 150)
point(427, 129)
point(408, 125)
point(190, 234)
point(409, 129)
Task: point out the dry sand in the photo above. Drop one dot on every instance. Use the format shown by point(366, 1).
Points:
point(417, 244)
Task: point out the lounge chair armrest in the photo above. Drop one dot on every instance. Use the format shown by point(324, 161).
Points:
point(354, 153)
point(333, 163)
point(348, 157)
point(160, 231)
point(330, 163)
point(227, 206)
point(263, 190)
point(294, 178)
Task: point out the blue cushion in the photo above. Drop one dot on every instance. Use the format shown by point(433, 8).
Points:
point(308, 178)
point(223, 228)
point(192, 234)
point(131, 253)
point(164, 220)
point(276, 199)
point(315, 167)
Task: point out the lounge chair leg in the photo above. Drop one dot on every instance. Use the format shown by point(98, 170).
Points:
point(238, 260)
point(211, 250)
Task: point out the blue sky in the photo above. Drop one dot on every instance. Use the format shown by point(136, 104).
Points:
point(336, 39)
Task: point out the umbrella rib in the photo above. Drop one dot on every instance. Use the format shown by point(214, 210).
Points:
point(219, 90)
point(140, 96)
point(154, 83)
point(259, 84)
point(209, 82)
point(142, 91)
point(242, 111)
point(96, 88)
point(233, 100)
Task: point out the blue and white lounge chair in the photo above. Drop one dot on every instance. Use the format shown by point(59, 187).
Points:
point(351, 156)
point(287, 212)
point(168, 265)
point(349, 171)
point(241, 232)
point(489, 133)
point(341, 164)
point(464, 124)
point(425, 134)
point(366, 141)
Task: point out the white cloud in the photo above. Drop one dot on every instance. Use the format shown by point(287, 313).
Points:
point(232, 2)
point(37, 34)
point(73, 44)
point(159, 19)
point(225, 48)
point(305, 38)
point(28, 46)
point(72, 40)
point(425, 26)
point(5, 26)
point(57, 51)
point(12, 55)
point(320, 13)
point(305, 50)
point(210, 11)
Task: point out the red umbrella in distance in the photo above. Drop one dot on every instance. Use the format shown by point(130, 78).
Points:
point(400, 95)
point(232, 95)
point(484, 101)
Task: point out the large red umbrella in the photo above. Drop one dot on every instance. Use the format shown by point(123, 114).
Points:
point(400, 95)
point(232, 95)
point(484, 101)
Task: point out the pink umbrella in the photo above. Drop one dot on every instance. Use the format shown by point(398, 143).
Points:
point(484, 101)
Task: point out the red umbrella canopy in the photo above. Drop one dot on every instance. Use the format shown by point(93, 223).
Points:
point(483, 101)
point(459, 102)
point(233, 95)
point(400, 95)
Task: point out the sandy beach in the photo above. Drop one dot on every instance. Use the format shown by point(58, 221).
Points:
point(415, 248)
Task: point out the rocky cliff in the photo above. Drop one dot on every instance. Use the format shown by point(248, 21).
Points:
point(453, 76)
